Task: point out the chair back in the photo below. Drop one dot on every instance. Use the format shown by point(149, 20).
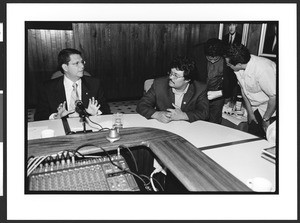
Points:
point(148, 83)
point(59, 73)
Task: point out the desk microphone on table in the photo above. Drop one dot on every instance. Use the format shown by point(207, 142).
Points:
point(80, 109)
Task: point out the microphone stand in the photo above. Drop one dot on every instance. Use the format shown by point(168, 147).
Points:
point(83, 120)
point(82, 114)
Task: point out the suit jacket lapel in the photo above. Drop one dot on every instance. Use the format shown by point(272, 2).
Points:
point(187, 96)
point(60, 91)
point(85, 92)
point(171, 97)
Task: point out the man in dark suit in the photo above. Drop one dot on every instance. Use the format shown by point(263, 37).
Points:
point(57, 96)
point(232, 37)
point(177, 96)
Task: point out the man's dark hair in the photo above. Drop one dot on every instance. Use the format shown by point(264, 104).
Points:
point(237, 53)
point(64, 57)
point(214, 48)
point(186, 65)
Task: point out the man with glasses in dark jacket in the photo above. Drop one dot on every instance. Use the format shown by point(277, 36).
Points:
point(177, 96)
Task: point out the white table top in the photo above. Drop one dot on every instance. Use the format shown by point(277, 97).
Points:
point(35, 129)
point(198, 133)
point(231, 148)
point(244, 161)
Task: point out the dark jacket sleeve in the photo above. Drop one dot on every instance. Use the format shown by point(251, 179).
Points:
point(43, 107)
point(229, 82)
point(94, 88)
point(146, 105)
point(104, 108)
point(198, 108)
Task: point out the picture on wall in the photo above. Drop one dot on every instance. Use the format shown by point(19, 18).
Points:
point(268, 44)
point(234, 33)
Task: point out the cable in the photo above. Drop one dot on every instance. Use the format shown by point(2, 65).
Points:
point(84, 145)
point(134, 160)
point(95, 123)
point(101, 128)
point(151, 180)
point(157, 170)
point(30, 159)
point(158, 183)
point(35, 164)
point(148, 178)
point(36, 161)
point(125, 170)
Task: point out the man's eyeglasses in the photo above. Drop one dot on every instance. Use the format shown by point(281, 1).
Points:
point(79, 62)
point(174, 75)
point(213, 59)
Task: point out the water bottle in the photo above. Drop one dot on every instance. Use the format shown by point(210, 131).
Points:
point(238, 103)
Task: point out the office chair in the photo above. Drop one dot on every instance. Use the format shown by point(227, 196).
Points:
point(148, 83)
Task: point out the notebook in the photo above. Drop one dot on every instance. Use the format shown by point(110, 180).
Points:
point(269, 154)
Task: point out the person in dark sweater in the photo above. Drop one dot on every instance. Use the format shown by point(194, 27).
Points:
point(212, 70)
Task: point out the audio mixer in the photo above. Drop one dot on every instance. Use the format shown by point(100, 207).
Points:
point(93, 174)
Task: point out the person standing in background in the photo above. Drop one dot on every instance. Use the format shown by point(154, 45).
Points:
point(220, 79)
point(257, 78)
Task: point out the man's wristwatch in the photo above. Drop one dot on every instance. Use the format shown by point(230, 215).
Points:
point(266, 120)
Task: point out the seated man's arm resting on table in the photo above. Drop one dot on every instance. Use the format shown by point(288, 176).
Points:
point(200, 110)
point(197, 108)
point(146, 107)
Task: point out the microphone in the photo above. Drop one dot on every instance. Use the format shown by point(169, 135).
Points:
point(80, 108)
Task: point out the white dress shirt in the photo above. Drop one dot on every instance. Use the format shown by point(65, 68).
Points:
point(68, 86)
point(179, 95)
point(258, 81)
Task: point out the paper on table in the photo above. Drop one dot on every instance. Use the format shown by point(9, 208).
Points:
point(76, 125)
point(36, 132)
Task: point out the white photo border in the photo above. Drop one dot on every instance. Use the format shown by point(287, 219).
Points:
point(150, 207)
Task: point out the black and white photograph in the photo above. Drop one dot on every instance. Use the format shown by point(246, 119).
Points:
point(147, 109)
point(110, 100)
point(268, 45)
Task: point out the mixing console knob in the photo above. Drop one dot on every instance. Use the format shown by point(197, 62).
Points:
point(51, 165)
point(73, 160)
point(46, 167)
point(57, 164)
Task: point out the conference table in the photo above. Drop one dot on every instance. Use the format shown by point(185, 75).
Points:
point(216, 157)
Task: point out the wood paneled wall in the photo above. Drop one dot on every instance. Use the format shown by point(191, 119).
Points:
point(122, 55)
point(42, 50)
